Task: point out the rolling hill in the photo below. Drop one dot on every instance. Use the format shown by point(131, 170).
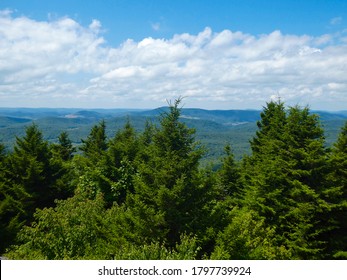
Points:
point(214, 128)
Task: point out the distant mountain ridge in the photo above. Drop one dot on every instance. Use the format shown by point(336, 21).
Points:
point(225, 117)
point(214, 128)
point(220, 116)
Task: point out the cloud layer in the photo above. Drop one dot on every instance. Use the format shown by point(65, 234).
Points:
point(60, 63)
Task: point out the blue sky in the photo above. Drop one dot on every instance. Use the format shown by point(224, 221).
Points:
point(137, 19)
point(218, 54)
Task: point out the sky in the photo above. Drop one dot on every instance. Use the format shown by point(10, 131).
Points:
point(216, 54)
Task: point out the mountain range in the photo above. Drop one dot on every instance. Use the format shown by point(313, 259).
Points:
point(214, 128)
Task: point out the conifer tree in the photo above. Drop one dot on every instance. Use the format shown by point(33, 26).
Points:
point(30, 168)
point(95, 145)
point(28, 182)
point(64, 148)
point(124, 145)
point(12, 210)
point(169, 182)
point(108, 167)
point(270, 127)
point(230, 175)
point(285, 177)
point(307, 158)
point(91, 168)
point(61, 162)
point(120, 163)
point(336, 196)
point(2, 152)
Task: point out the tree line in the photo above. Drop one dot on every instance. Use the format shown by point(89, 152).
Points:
point(145, 196)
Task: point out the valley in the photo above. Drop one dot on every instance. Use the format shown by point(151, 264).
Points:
point(214, 128)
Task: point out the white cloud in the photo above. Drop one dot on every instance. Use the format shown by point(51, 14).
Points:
point(61, 63)
point(95, 26)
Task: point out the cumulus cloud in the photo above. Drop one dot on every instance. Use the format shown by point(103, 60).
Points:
point(61, 63)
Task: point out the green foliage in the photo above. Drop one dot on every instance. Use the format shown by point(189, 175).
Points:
point(2, 152)
point(12, 212)
point(121, 166)
point(336, 196)
point(30, 168)
point(31, 178)
point(285, 179)
point(95, 144)
point(147, 195)
point(124, 146)
point(169, 182)
point(271, 125)
point(64, 148)
point(187, 249)
point(75, 229)
point(229, 175)
point(248, 237)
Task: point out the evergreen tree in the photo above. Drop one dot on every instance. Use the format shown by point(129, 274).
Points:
point(30, 168)
point(270, 126)
point(124, 145)
point(285, 178)
point(120, 165)
point(147, 136)
point(307, 158)
point(2, 153)
point(108, 167)
point(230, 175)
point(336, 196)
point(28, 182)
point(144, 196)
point(91, 168)
point(95, 145)
point(169, 182)
point(61, 162)
point(12, 212)
point(64, 148)
point(11, 205)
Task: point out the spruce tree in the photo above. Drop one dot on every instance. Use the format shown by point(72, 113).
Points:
point(124, 145)
point(30, 167)
point(28, 182)
point(270, 126)
point(169, 183)
point(120, 164)
point(61, 162)
point(336, 196)
point(96, 143)
point(285, 178)
point(229, 175)
point(12, 199)
point(91, 168)
point(64, 149)
point(306, 155)
point(2, 153)
point(12, 212)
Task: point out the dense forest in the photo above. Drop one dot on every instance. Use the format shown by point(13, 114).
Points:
point(145, 195)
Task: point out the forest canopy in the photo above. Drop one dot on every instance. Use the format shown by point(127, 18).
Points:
point(145, 195)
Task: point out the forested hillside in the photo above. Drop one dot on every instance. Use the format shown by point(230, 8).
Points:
point(145, 194)
point(214, 128)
